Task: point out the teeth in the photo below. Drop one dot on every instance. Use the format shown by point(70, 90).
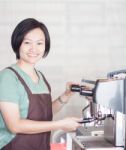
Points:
point(32, 55)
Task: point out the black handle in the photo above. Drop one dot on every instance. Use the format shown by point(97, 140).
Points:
point(87, 120)
point(82, 90)
point(86, 92)
point(75, 88)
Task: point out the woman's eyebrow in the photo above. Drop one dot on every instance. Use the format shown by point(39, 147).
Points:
point(32, 40)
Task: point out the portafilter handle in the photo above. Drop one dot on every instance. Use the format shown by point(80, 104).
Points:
point(82, 90)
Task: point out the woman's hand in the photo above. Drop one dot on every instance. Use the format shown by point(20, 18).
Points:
point(69, 124)
point(68, 93)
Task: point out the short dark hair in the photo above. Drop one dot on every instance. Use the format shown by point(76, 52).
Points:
point(22, 29)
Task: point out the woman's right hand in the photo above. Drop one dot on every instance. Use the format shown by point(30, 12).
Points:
point(69, 124)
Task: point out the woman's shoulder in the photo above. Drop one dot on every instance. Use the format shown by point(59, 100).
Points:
point(9, 86)
point(7, 74)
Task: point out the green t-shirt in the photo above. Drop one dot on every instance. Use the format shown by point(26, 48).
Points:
point(11, 90)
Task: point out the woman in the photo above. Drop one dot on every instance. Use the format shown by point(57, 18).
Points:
point(25, 100)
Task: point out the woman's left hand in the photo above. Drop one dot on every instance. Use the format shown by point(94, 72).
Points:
point(68, 93)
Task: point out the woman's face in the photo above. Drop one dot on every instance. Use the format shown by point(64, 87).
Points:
point(33, 46)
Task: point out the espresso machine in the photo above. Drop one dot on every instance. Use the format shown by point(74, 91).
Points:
point(105, 125)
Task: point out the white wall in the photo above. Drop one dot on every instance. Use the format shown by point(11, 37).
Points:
point(87, 37)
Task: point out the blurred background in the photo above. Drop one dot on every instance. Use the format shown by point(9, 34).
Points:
point(88, 40)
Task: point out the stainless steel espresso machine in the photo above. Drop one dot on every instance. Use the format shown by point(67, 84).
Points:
point(105, 126)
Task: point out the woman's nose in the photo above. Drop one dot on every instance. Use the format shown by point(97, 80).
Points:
point(33, 47)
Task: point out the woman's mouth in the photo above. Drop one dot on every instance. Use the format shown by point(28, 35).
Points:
point(32, 55)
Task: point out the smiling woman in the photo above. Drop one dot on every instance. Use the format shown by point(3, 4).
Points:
point(32, 47)
point(26, 107)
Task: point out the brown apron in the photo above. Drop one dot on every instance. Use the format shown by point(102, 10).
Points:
point(40, 109)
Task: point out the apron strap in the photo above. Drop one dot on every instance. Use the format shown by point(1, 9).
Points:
point(49, 88)
point(21, 80)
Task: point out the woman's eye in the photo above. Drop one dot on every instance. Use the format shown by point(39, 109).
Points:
point(40, 43)
point(26, 42)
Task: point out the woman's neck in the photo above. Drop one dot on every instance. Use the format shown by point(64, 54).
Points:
point(28, 68)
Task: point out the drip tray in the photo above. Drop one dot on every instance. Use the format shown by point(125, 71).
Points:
point(93, 143)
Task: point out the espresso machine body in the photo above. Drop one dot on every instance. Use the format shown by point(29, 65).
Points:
point(111, 93)
point(107, 112)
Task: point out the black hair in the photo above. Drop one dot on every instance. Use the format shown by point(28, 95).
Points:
point(22, 29)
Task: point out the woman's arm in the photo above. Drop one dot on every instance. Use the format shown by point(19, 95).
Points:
point(63, 99)
point(15, 124)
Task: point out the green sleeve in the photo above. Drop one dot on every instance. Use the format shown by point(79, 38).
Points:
point(9, 86)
